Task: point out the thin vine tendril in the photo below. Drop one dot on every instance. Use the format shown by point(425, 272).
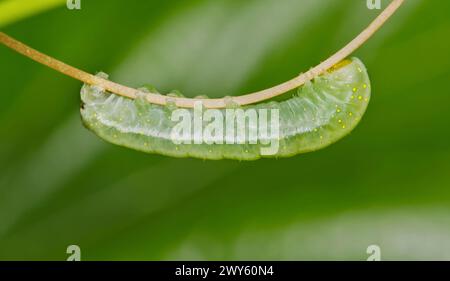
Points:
point(208, 103)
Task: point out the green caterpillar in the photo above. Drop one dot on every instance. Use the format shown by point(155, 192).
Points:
point(322, 112)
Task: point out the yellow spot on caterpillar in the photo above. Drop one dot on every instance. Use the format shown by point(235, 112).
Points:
point(338, 110)
point(340, 121)
point(343, 126)
point(365, 86)
point(366, 99)
point(246, 151)
point(315, 130)
point(350, 114)
point(354, 90)
point(359, 69)
point(340, 64)
point(360, 97)
point(352, 97)
point(321, 137)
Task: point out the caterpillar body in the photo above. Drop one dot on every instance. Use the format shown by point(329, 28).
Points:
point(322, 112)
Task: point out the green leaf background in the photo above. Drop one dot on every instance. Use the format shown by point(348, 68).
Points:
point(388, 183)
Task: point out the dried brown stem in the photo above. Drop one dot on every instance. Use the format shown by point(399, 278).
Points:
point(209, 103)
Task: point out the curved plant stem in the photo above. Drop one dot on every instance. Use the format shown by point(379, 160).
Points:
point(209, 103)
